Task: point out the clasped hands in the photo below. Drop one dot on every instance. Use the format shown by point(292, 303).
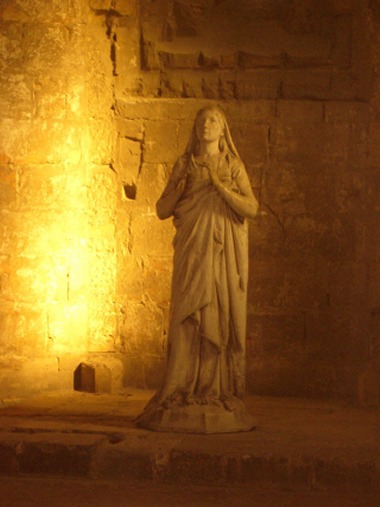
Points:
point(212, 171)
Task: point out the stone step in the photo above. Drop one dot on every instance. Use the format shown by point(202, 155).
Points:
point(298, 445)
point(191, 459)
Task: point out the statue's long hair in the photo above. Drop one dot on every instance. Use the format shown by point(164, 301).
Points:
point(226, 144)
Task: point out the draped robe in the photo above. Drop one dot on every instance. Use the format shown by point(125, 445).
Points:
point(206, 342)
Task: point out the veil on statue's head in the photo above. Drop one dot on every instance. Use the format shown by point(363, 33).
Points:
point(226, 144)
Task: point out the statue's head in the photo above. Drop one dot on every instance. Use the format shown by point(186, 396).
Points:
point(209, 124)
point(215, 115)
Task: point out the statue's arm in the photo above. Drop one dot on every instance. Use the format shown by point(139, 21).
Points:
point(173, 191)
point(243, 202)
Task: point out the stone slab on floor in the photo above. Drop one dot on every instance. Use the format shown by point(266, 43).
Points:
point(299, 443)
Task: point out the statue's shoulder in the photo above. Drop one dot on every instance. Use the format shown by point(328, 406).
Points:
point(179, 166)
point(235, 164)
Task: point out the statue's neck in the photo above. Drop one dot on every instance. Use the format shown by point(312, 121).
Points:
point(209, 149)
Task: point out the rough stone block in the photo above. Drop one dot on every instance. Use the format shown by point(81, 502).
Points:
point(168, 109)
point(123, 463)
point(101, 4)
point(127, 54)
point(8, 459)
point(368, 393)
point(17, 369)
point(67, 326)
point(128, 160)
point(161, 138)
point(347, 112)
point(22, 327)
point(345, 85)
point(149, 232)
point(130, 129)
point(50, 97)
point(210, 87)
point(93, 378)
point(194, 85)
point(102, 141)
point(179, 60)
point(154, 369)
point(252, 142)
point(130, 278)
point(294, 143)
point(150, 185)
point(252, 61)
point(134, 374)
point(259, 469)
point(51, 187)
point(101, 325)
point(281, 335)
point(208, 62)
point(290, 111)
point(374, 144)
point(227, 86)
point(15, 97)
point(257, 111)
point(374, 290)
point(99, 104)
point(342, 48)
point(150, 59)
point(101, 191)
point(143, 329)
point(157, 278)
point(196, 467)
point(345, 475)
point(44, 46)
point(228, 61)
point(44, 141)
point(301, 84)
point(259, 84)
point(67, 455)
point(43, 11)
point(8, 188)
point(126, 7)
point(343, 6)
point(171, 84)
point(267, 237)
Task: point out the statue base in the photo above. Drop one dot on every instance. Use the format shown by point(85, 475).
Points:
point(204, 419)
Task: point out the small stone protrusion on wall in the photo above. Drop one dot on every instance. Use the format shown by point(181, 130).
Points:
point(92, 378)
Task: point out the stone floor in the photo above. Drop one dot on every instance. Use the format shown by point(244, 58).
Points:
point(68, 492)
point(301, 449)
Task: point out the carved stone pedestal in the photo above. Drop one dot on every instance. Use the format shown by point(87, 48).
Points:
point(198, 419)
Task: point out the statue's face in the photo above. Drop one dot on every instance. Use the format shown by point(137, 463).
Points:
point(209, 127)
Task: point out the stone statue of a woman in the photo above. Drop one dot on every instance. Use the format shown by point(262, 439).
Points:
point(209, 197)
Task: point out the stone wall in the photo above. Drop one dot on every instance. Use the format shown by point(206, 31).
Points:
point(98, 98)
point(57, 197)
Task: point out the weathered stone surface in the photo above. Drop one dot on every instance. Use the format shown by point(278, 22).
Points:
point(203, 419)
point(130, 129)
point(96, 106)
point(160, 141)
point(143, 322)
point(301, 85)
point(8, 189)
point(128, 161)
point(150, 184)
point(305, 112)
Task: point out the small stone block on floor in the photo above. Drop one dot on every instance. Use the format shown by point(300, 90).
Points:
point(92, 378)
